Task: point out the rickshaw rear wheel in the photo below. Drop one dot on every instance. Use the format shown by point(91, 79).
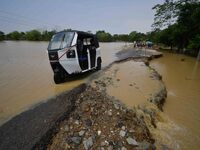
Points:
point(58, 78)
point(98, 64)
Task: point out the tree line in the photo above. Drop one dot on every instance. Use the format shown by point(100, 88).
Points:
point(103, 36)
point(33, 35)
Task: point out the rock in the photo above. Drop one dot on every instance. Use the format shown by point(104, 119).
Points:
point(119, 124)
point(123, 127)
point(123, 148)
point(81, 133)
point(88, 143)
point(67, 146)
point(109, 113)
point(88, 122)
point(76, 140)
point(66, 128)
point(118, 79)
point(110, 148)
point(131, 141)
point(99, 132)
point(111, 143)
point(165, 147)
point(77, 122)
point(130, 84)
point(122, 133)
point(116, 106)
point(103, 143)
point(131, 131)
point(146, 146)
point(106, 142)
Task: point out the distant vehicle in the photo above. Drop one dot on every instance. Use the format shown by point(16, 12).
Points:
point(72, 52)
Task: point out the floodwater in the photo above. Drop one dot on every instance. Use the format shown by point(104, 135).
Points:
point(134, 83)
point(181, 75)
point(26, 77)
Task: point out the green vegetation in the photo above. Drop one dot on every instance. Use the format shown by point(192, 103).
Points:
point(2, 36)
point(181, 22)
point(133, 36)
point(33, 35)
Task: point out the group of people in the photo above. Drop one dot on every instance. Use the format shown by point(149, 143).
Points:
point(142, 44)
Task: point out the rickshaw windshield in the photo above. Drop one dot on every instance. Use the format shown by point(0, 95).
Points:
point(61, 40)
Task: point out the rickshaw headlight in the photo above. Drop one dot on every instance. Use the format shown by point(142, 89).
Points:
point(71, 54)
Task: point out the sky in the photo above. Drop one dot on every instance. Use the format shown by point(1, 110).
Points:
point(113, 16)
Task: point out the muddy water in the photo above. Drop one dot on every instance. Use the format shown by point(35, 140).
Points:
point(134, 83)
point(182, 79)
point(26, 77)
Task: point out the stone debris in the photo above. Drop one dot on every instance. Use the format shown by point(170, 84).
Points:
point(122, 133)
point(88, 143)
point(101, 122)
point(76, 140)
point(81, 133)
point(131, 141)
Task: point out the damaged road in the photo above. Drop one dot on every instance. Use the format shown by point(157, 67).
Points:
point(84, 118)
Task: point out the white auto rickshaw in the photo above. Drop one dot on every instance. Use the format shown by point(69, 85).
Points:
point(72, 52)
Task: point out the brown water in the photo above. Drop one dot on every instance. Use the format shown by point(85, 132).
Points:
point(26, 77)
point(182, 107)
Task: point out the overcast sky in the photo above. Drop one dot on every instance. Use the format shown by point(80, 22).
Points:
point(114, 16)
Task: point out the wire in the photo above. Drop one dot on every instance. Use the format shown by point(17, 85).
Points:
point(30, 21)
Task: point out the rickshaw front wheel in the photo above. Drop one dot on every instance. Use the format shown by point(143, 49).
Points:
point(58, 78)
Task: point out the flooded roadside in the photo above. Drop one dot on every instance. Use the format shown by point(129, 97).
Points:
point(181, 75)
point(91, 114)
point(27, 79)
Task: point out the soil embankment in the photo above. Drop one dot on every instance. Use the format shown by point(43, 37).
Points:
point(103, 122)
point(90, 117)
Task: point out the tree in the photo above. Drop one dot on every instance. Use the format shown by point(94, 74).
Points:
point(186, 26)
point(33, 35)
point(104, 36)
point(2, 36)
point(136, 36)
point(15, 35)
point(154, 36)
point(165, 14)
point(47, 35)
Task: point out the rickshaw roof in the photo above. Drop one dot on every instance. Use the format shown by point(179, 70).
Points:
point(82, 33)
